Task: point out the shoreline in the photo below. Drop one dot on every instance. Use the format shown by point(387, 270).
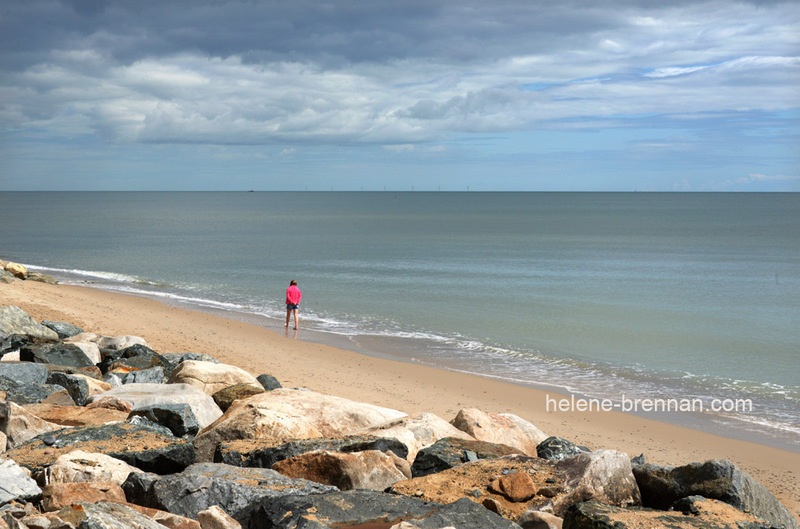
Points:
point(408, 387)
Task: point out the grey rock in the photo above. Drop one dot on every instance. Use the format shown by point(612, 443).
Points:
point(24, 372)
point(340, 509)
point(451, 451)
point(558, 448)
point(464, 514)
point(16, 484)
point(238, 491)
point(41, 278)
point(62, 354)
point(268, 382)
point(179, 418)
point(63, 329)
point(154, 375)
point(261, 456)
point(7, 277)
point(137, 356)
point(593, 515)
point(177, 358)
point(107, 515)
point(717, 479)
point(27, 393)
point(76, 386)
point(14, 320)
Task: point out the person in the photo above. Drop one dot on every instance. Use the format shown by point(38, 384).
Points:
point(293, 296)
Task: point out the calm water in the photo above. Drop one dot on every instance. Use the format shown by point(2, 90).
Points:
point(641, 295)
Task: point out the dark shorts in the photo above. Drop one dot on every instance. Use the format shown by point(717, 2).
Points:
point(289, 306)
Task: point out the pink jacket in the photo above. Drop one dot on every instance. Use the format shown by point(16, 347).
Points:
point(293, 295)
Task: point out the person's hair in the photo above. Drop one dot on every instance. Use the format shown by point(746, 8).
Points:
point(293, 282)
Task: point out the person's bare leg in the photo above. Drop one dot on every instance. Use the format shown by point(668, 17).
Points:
point(288, 314)
point(296, 323)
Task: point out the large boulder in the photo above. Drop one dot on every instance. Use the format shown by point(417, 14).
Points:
point(143, 395)
point(24, 372)
point(710, 514)
point(502, 428)
point(551, 486)
point(79, 466)
point(263, 454)
point(210, 377)
point(56, 496)
point(16, 484)
point(179, 418)
point(61, 354)
point(717, 479)
point(361, 508)
point(290, 414)
point(107, 343)
point(76, 415)
point(20, 426)
point(558, 448)
point(136, 356)
point(17, 270)
point(62, 328)
point(105, 515)
point(463, 514)
point(14, 320)
point(415, 432)
point(453, 451)
point(226, 396)
point(147, 446)
point(371, 469)
point(238, 491)
point(80, 387)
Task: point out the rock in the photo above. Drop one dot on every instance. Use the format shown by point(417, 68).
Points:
point(41, 278)
point(268, 382)
point(110, 403)
point(147, 446)
point(600, 475)
point(24, 372)
point(263, 454)
point(453, 451)
point(19, 425)
point(14, 320)
point(179, 418)
point(216, 518)
point(6, 278)
point(80, 387)
point(119, 343)
point(75, 415)
point(79, 466)
point(29, 393)
point(415, 432)
point(154, 375)
point(289, 414)
point(238, 491)
point(177, 358)
point(136, 356)
point(17, 270)
point(463, 514)
point(110, 515)
point(142, 395)
point(225, 397)
point(169, 520)
point(209, 377)
point(339, 509)
point(503, 428)
point(717, 479)
point(55, 496)
point(539, 520)
point(371, 469)
point(558, 448)
point(91, 351)
point(516, 486)
point(16, 484)
point(62, 354)
point(716, 515)
point(63, 329)
point(3, 442)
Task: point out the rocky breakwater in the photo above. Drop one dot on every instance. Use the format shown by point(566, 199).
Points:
point(10, 272)
point(105, 431)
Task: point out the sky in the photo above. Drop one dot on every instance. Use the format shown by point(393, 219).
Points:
point(423, 95)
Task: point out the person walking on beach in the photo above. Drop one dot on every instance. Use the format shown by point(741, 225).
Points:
point(293, 296)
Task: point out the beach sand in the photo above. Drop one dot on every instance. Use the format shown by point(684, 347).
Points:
point(408, 387)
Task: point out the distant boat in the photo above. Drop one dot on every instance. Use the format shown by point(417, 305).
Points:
point(251, 191)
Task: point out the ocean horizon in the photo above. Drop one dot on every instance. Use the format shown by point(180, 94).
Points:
point(625, 297)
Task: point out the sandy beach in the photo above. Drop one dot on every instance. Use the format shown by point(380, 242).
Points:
point(407, 387)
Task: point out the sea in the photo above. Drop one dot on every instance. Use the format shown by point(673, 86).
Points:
point(684, 304)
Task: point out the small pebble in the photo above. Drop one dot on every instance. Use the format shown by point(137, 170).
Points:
point(49, 440)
